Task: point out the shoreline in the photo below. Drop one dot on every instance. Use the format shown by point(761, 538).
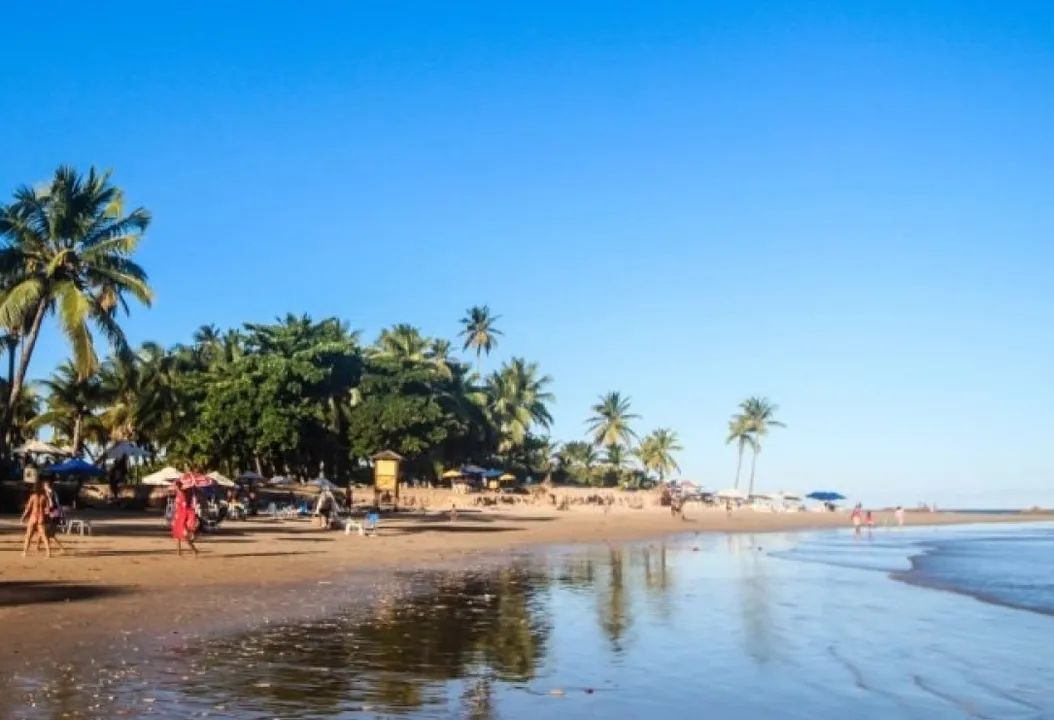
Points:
point(123, 592)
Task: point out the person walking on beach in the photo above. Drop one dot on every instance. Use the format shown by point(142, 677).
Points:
point(899, 513)
point(856, 518)
point(52, 515)
point(34, 516)
point(185, 518)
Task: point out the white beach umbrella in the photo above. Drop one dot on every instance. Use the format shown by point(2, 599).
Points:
point(324, 483)
point(281, 480)
point(164, 476)
point(38, 447)
point(250, 475)
point(124, 450)
point(222, 480)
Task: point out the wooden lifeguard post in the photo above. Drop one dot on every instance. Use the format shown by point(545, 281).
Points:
point(386, 475)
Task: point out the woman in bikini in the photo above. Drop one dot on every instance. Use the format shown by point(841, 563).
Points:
point(35, 518)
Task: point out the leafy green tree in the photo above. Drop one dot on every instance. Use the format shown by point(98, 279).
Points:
point(518, 400)
point(479, 332)
point(611, 419)
point(739, 433)
point(656, 452)
point(758, 415)
point(67, 248)
point(71, 407)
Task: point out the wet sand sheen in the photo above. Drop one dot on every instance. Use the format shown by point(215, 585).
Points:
point(617, 631)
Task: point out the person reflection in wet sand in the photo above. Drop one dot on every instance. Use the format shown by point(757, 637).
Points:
point(35, 517)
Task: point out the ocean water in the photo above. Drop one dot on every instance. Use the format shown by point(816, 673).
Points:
point(896, 623)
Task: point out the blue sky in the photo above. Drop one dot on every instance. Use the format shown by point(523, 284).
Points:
point(843, 206)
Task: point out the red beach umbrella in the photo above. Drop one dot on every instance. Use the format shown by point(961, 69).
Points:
point(193, 479)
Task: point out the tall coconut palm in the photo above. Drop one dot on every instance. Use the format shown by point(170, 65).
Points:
point(611, 418)
point(477, 328)
point(71, 404)
point(519, 399)
point(759, 415)
point(656, 452)
point(739, 433)
point(67, 247)
point(403, 342)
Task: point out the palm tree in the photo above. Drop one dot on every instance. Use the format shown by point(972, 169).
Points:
point(67, 248)
point(656, 452)
point(479, 332)
point(611, 418)
point(438, 354)
point(519, 399)
point(403, 342)
point(578, 459)
point(758, 414)
point(71, 404)
point(739, 432)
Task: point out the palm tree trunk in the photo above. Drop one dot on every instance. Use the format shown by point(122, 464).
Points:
point(739, 466)
point(753, 462)
point(30, 341)
point(78, 425)
point(11, 348)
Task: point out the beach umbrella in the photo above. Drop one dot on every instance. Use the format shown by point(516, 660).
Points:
point(281, 480)
point(250, 475)
point(324, 483)
point(473, 470)
point(825, 496)
point(124, 450)
point(193, 479)
point(221, 480)
point(162, 477)
point(507, 477)
point(75, 468)
point(451, 474)
point(38, 447)
point(492, 473)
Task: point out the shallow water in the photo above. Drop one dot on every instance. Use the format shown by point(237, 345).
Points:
point(788, 626)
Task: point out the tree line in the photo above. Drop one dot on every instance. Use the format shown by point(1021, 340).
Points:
point(297, 396)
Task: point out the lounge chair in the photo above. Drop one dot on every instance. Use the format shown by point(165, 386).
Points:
point(365, 527)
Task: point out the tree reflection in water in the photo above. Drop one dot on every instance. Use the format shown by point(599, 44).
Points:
point(472, 627)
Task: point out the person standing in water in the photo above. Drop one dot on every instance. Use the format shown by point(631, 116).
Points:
point(899, 513)
point(185, 518)
point(35, 517)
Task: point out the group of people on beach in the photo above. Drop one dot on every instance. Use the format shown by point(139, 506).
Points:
point(860, 517)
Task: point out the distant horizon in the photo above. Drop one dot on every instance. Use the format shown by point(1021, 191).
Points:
point(841, 208)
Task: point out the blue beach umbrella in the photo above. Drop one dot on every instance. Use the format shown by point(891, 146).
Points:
point(76, 466)
point(825, 496)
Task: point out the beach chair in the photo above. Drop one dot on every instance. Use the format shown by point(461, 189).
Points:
point(365, 527)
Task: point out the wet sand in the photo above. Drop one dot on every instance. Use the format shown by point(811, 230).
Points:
point(126, 576)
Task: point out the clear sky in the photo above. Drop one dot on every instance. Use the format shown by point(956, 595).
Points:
point(845, 206)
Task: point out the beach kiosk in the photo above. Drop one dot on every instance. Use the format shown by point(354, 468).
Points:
point(386, 474)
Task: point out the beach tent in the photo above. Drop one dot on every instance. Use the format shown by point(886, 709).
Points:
point(75, 468)
point(38, 447)
point(162, 477)
point(221, 480)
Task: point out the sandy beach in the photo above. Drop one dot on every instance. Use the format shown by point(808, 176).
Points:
point(128, 567)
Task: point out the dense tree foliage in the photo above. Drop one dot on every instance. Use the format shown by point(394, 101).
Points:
point(298, 396)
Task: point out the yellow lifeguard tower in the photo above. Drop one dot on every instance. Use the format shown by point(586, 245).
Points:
point(386, 473)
